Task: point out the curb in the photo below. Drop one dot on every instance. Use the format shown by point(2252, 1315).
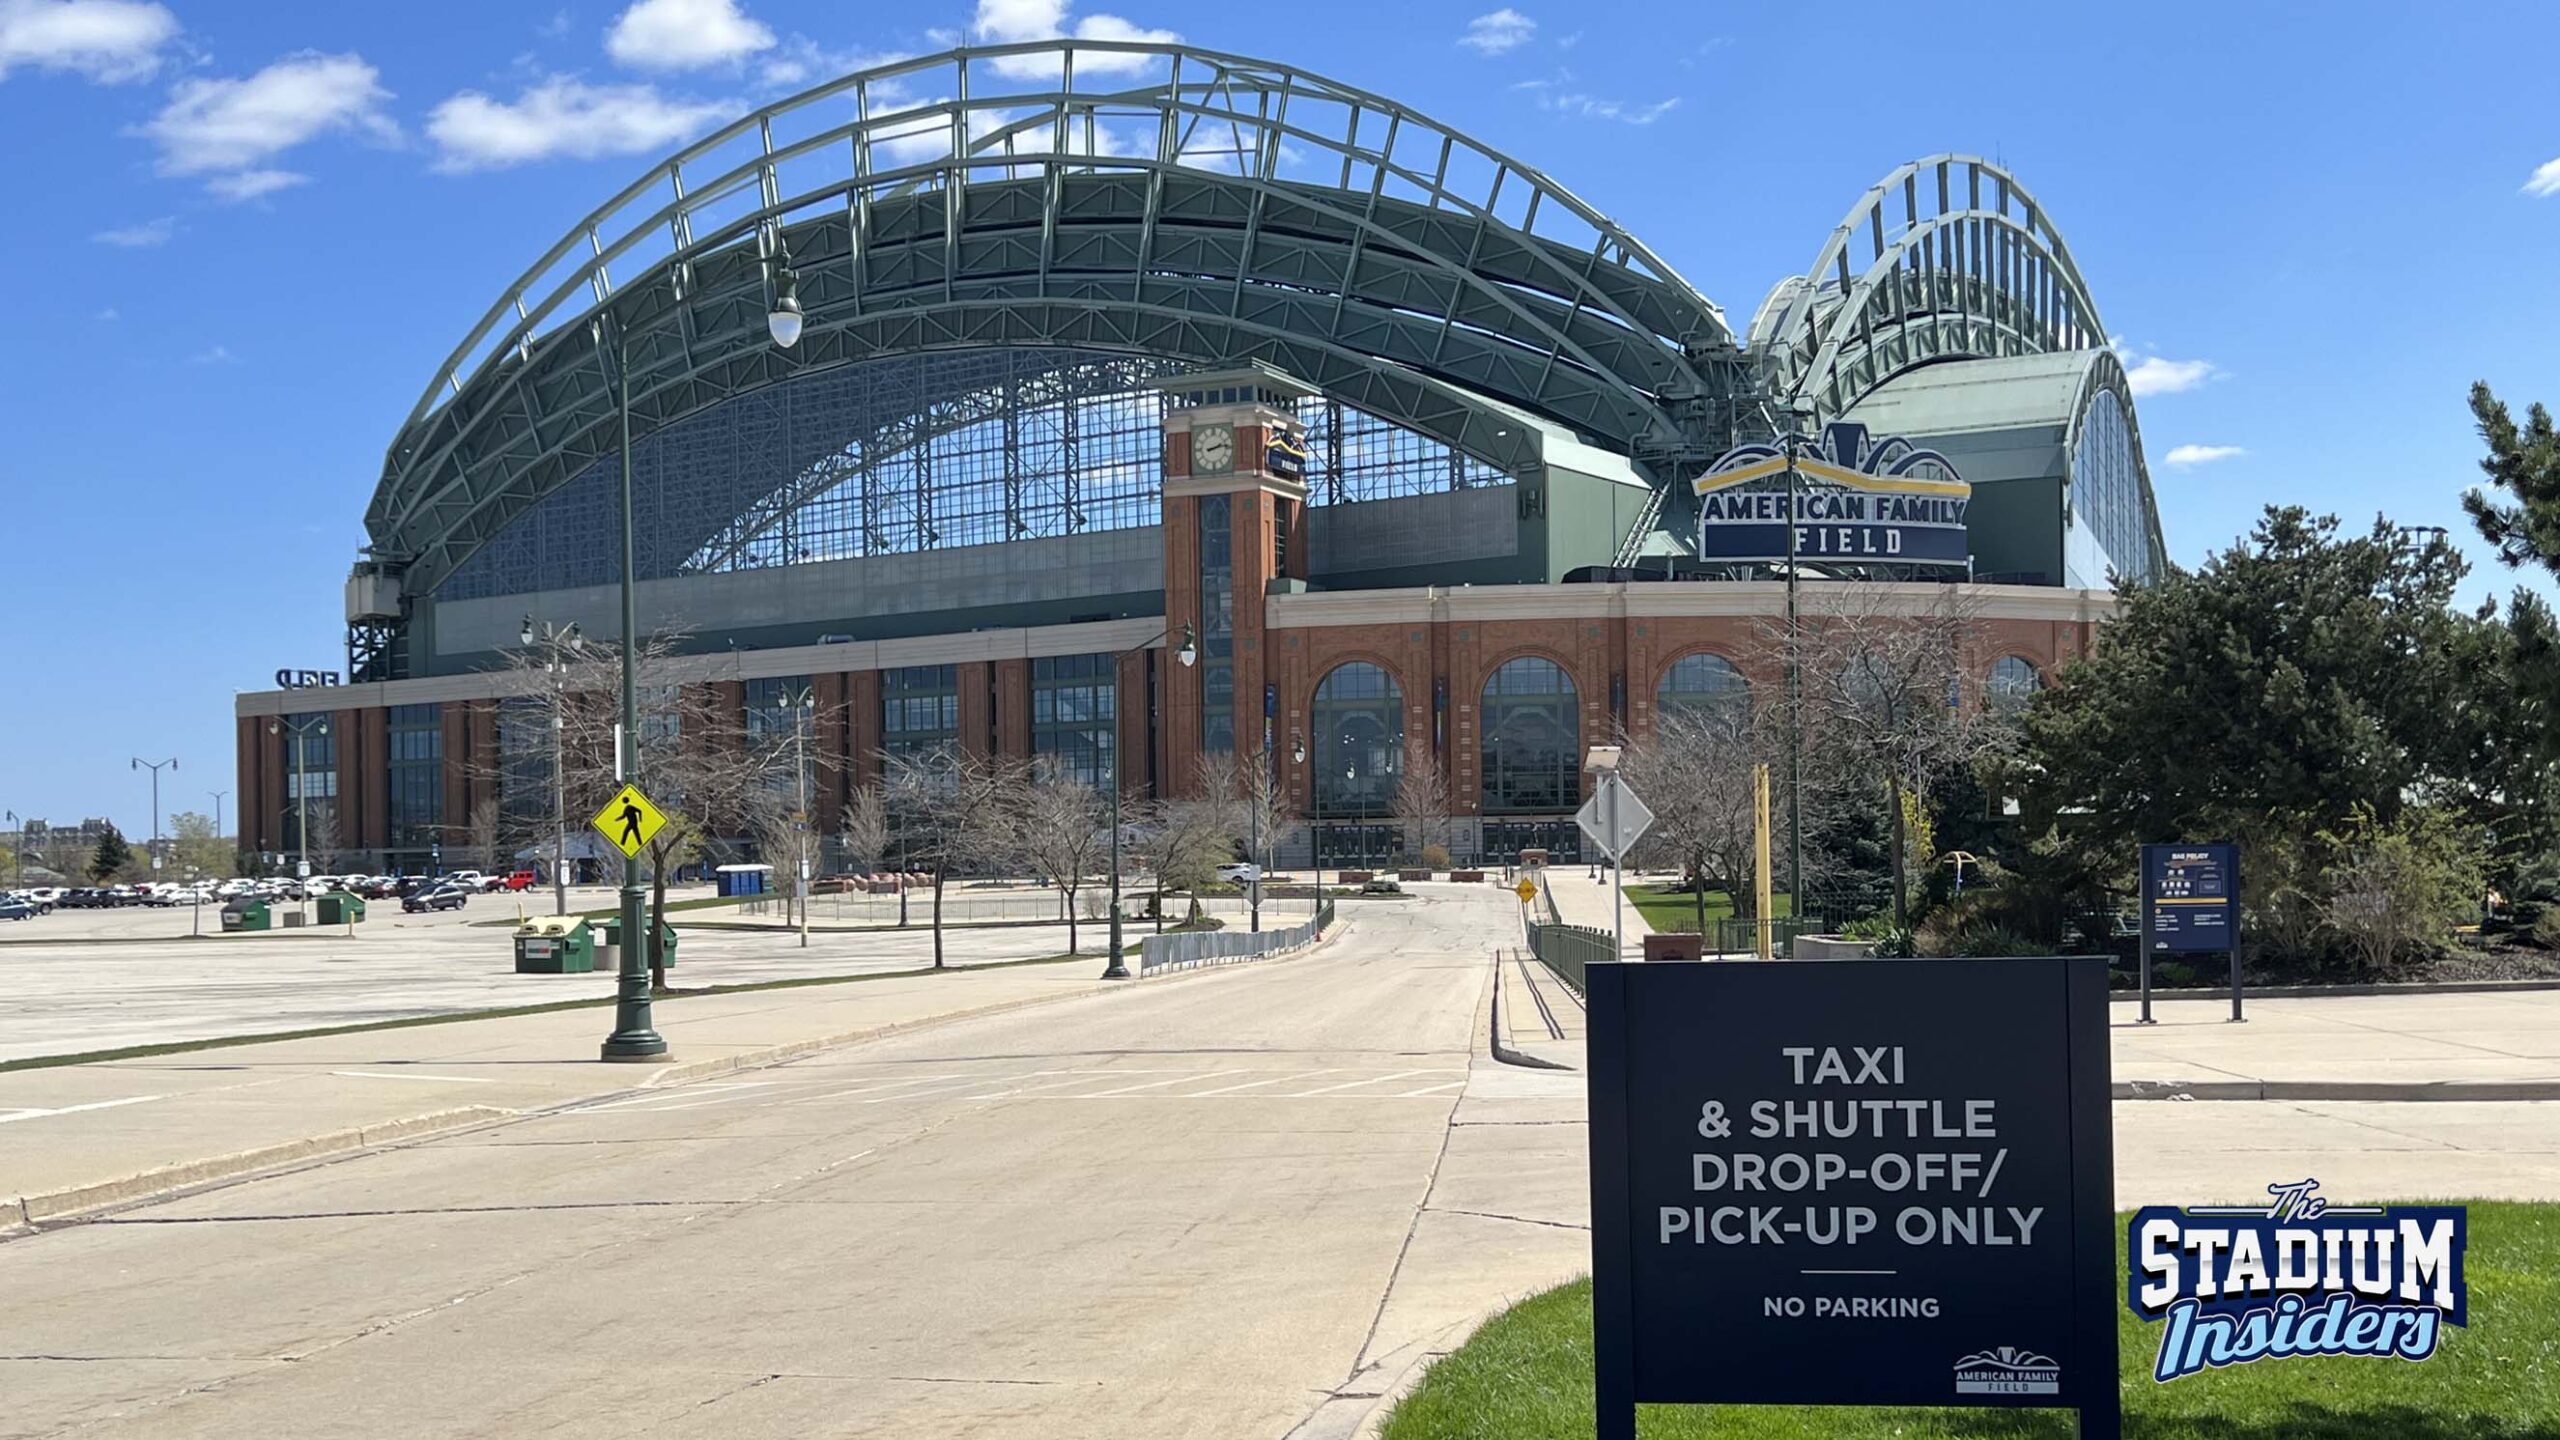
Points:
point(2374, 1090)
point(60, 1204)
point(1502, 1051)
point(2319, 992)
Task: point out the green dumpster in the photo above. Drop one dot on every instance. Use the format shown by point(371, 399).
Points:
point(341, 907)
point(555, 945)
point(247, 915)
point(611, 939)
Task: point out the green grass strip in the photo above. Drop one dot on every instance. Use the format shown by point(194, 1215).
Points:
point(1526, 1375)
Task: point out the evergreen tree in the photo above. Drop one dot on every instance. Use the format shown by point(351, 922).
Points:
point(111, 856)
point(2524, 462)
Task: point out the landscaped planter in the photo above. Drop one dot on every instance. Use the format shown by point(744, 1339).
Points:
point(1355, 877)
point(1675, 947)
point(1413, 874)
point(1832, 947)
point(1466, 877)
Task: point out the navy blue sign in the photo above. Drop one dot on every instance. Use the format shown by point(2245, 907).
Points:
point(1892, 1187)
point(1284, 456)
point(2191, 898)
point(1857, 500)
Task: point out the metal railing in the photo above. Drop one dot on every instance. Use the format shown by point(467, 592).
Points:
point(1186, 948)
point(1567, 949)
point(1741, 936)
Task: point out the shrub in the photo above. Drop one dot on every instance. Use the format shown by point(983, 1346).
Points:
point(1896, 943)
point(2400, 888)
point(1435, 856)
point(2545, 930)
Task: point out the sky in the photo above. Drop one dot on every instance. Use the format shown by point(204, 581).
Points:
point(242, 235)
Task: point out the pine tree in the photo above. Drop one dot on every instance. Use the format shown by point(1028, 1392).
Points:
point(111, 857)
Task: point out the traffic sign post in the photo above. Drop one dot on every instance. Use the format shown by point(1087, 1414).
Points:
point(1613, 820)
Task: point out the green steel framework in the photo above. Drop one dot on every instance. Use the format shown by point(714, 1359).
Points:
point(1182, 205)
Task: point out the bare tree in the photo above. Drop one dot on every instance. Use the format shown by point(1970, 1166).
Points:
point(480, 832)
point(1422, 799)
point(1064, 834)
point(1890, 702)
point(951, 812)
point(1694, 773)
point(1187, 840)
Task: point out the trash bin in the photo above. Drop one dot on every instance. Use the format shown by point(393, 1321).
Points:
point(247, 915)
point(555, 945)
point(610, 940)
point(341, 907)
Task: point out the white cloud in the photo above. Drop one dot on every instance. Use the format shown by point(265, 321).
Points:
point(1554, 97)
point(2545, 180)
point(942, 36)
point(2185, 456)
point(218, 355)
point(149, 235)
point(1498, 32)
point(227, 128)
point(1012, 22)
point(250, 184)
point(2155, 375)
point(564, 116)
point(110, 41)
point(108, 316)
point(684, 35)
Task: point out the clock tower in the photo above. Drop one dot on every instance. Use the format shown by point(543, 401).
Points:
point(1235, 496)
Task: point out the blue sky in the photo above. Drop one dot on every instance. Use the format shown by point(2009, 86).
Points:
point(244, 234)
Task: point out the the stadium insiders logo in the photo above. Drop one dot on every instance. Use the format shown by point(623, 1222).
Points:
point(2297, 1276)
point(2008, 1370)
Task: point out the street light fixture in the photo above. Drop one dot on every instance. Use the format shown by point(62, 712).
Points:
point(554, 639)
point(1189, 655)
point(301, 797)
point(155, 767)
point(1298, 757)
point(785, 318)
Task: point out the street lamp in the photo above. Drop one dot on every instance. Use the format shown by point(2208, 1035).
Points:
point(1298, 757)
point(784, 319)
point(301, 797)
point(802, 706)
point(1189, 654)
point(217, 812)
point(1799, 408)
point(554, 639)
point(155, 767)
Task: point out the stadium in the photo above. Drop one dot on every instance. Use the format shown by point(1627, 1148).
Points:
point(1099, 346)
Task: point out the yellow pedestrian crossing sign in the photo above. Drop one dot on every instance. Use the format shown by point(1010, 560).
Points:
point(628, 820)
point(1527, 888)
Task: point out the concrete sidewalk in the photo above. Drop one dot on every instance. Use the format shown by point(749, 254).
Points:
point(1583, 901)
point(77, 1137)
point(2467, 1045)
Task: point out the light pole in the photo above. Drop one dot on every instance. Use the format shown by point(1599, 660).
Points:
point(1791, 438)
point(301, 802)
point(1189, 655)
point(801, 706)
point(1298, 758)
point(635, 1035)
point(555, 639)
point(155, 767)
point(217, 813)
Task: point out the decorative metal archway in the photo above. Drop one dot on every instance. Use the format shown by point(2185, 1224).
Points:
point(1192, 206)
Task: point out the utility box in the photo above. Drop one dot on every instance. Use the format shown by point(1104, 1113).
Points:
point(340, 907)
point(610, 938)
point(555, 945)
point(247, 915)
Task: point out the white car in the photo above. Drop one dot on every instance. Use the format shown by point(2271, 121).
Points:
point(467, 879)
point(1241, 873)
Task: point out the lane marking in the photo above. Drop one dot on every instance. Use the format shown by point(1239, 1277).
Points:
point(659, 1100)
point(1433, 1090)
point(383, 1075)
point(1356, 1084)
point(1274, 1080)
point(866, 1089)
point(76, 1109)
point(1187, 1075)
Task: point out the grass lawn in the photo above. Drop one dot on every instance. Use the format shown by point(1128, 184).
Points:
point(1675, 912)
point(1527, 1376)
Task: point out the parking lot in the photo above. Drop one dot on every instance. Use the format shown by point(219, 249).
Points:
point(77, 981)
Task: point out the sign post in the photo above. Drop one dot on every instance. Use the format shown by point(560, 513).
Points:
point(1902, 1195)
point(1613, 820)
point(2190, 906)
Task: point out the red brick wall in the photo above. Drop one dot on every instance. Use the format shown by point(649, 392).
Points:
point(977, 709)
point(862, 726)
point(1013, 709)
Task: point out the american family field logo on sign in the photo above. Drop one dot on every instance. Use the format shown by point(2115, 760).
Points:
point(1857, 498)
point(2234, 1284)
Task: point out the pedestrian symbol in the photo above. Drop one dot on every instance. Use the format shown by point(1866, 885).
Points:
point(628, 820)
point(1527, 888)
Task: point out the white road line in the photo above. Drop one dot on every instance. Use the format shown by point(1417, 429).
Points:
point(868, 1089)
point(76, 1109)
point(1433, 1090)
point(1274, 1080)
point(686, 1097)
point(928, 1090)
point(1356, 1084)
point(1082, 1077)
point(1160, 1084)
point(384, 1075)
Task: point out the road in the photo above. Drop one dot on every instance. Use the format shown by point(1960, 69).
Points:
point(1227, 1204)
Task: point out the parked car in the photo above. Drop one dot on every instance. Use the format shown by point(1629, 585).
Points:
point(435, 897)
point(521, 880)
point(1240, 873)
point(467, 879)
point(17, 907)
point(47, 896)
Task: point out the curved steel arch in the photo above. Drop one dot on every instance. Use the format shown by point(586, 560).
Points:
point(1398, 265)
point(1959, 274)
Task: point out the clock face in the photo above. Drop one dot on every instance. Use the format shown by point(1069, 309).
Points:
point(1213, 449)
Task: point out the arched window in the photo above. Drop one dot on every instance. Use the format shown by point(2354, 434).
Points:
point(1703, 682)
point(2014, 681)
point(1358, 719)
point(1532, 739)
